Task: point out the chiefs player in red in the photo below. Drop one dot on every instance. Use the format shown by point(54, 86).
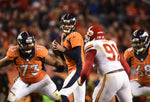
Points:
point(138, 57)
point(29, 59)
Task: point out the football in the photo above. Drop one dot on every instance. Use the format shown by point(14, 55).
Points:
point(56, 52)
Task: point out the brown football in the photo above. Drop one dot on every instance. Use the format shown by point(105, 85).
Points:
point(56, 52)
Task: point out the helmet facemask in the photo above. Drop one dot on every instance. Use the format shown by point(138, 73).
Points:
point(67, 23)
point(88, 35)
point(67, 27)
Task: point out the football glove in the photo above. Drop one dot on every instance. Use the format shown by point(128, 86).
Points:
point(79, 82)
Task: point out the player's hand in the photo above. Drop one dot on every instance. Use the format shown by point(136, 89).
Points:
point(56, 46)
point(53, 45)
point(79, 82)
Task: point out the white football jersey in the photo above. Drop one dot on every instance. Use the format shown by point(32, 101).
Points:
point(107, 57)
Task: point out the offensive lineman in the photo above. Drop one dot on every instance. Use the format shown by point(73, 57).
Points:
point(29, 59)
point(138, 57)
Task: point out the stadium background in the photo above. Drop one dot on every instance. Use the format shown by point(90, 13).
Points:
point(118, 18)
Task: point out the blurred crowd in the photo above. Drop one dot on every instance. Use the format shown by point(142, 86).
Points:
point(118, 18)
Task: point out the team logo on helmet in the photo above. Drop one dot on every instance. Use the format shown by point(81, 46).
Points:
point(94, 33)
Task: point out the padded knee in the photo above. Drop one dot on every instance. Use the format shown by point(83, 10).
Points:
point(12, 97)
point(58, 95)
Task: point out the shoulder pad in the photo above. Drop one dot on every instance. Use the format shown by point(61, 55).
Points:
point(41, 51)
point(13, 52)
point(88, 46)
point(128, 53)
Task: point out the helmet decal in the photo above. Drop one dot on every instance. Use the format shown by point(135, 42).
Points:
point(94, 33)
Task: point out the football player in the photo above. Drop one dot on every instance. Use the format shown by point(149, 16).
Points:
point(72, 47)
point(138, 57)
point(29, 59)
point(105, 55)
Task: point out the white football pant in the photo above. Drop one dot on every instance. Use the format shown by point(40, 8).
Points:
point(20, 89)
point(113, 84)
point(70, 86)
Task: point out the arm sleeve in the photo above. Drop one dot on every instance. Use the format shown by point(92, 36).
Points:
point(89, 60)
point(75, 55)
point(125, 65)
point(62, 56)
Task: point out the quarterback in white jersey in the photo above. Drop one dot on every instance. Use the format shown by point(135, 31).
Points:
point(108, 61)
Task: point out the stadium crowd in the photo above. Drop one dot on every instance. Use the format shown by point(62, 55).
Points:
point(118, 18)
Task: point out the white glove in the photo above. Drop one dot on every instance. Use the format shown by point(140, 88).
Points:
point(79, 82)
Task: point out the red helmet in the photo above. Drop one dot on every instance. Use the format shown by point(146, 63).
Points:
point(94, 33)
